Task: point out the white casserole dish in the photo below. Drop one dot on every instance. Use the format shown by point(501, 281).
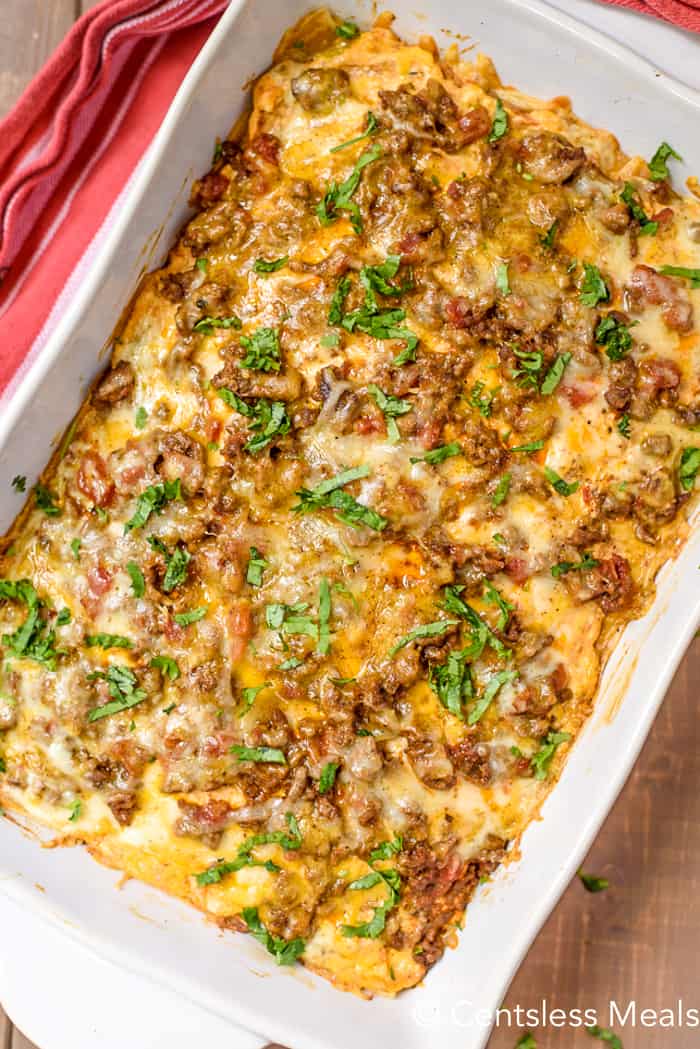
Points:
point(221, 974)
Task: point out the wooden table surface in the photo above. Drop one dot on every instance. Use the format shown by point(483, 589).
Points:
point(637, 941)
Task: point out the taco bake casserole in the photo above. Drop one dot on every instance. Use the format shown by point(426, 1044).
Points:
point(303, 619)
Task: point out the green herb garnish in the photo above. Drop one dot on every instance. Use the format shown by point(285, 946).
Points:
point(263, 266)
point(263, 350)
point(693, 275)
point(688, 468)
point(329, 494)
point(558, 483)
point(658, 168)
point(339, 197)
point(167, 666)
point(435, 629)
point(193, 616)
point(390, 407)
point(328, 774)
point(108, 641)
point(564, 567)
point(138, 583)
point(502, 278)
point(153, 500)
point(269, 418)
point(265, 755)
point(285, 952)
point(629, 197)
point(256, 566)
point(615, 336)
point(141, 418)
point(44, 500)
point(555, 373)
point(499, 125)
point(542, 758)
point(371, 129)
point(593, 287)
point(122, 683)
point(592, 883)
point(503, 677)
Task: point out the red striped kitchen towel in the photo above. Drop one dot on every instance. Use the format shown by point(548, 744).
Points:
point(683, 13)
point(70, 145)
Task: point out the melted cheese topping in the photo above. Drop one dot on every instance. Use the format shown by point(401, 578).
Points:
point(319, 705)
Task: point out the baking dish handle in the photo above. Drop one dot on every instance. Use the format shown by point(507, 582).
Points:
point(62, 996)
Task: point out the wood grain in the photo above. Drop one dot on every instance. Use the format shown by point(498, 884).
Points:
point(637, 941)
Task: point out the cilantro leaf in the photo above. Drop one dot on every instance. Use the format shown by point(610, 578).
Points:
point(285, 952)
point(592, 883)
point(19, 483)
point(33, 639)
point(108, 641)
point(347, 30)
point(435, 629)
point(328, 774)
point(339, 197)
point(391, 407)
point(499, 125)
point(629, 197)
point(503, 677)
point(624, 426)
point(256, 566)
point(153, 500)
point(451, 681)
point(564, 567)
point(439, 454)
point(605, 1035)
point(193, 616)
point(542, 758)
point(502, 278)
point(547, 239)
point(593, 287)
point(269, 418)
point(658, 168)
point(122, 683)
point(329, 494)
point(555, 373)
point(615, 336)
point(44, 500)
point(371, 129)
point(167, 666)
point(266, 755)
point(141, 418)
point(324, 618)
point(206, 325)
point(501, 492)
point(558, 483)
point(138, 583)
point(693, 275)
point(688, 468)
point(263, 266)
point(263, 348)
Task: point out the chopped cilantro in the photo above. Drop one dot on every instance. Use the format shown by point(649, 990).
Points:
point(492, 596)
point(324, 618)
point(285, 952)
point(435, 629)
point(75, 810)
point(176, 564)
point(559, 484)
point(153, 500)
point(451, 681)
point(328, 774)
point(615, 336)
point(19, 483)
point(33, 639)
point(263, 350)
point(658, 168)
point(439, 454)
point(592, 883)
point(371, 129)
point(202, 265)
point(624, 425)
point(693, 275)
point(564, 567)
point(256, 566)
point(502, 278)
point(330, 340)
point(554, 375)
point(593, 287)
point(193, 616)
point(688, 468)
point(347, 30)
point(339, 197)
point(138, 583)
point(629, 197)
point(263, 266)
point(528, 374)
point(329, 494)
point(499, 125)
point(605, 1035)
point(482, 402)
point(547, 239)
point(206, 325)
point(46, 501)
point(266, 755)
point(121, 682)
point(250, 694)
point(542, 758)
point(167, 666)
point(501, 490)
point(390, 407)
point(269, 418)
point(108, 641)
point(75, 545)
point(533, 446)
point(482, 634)
point(141, 418)
point(503, 677)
